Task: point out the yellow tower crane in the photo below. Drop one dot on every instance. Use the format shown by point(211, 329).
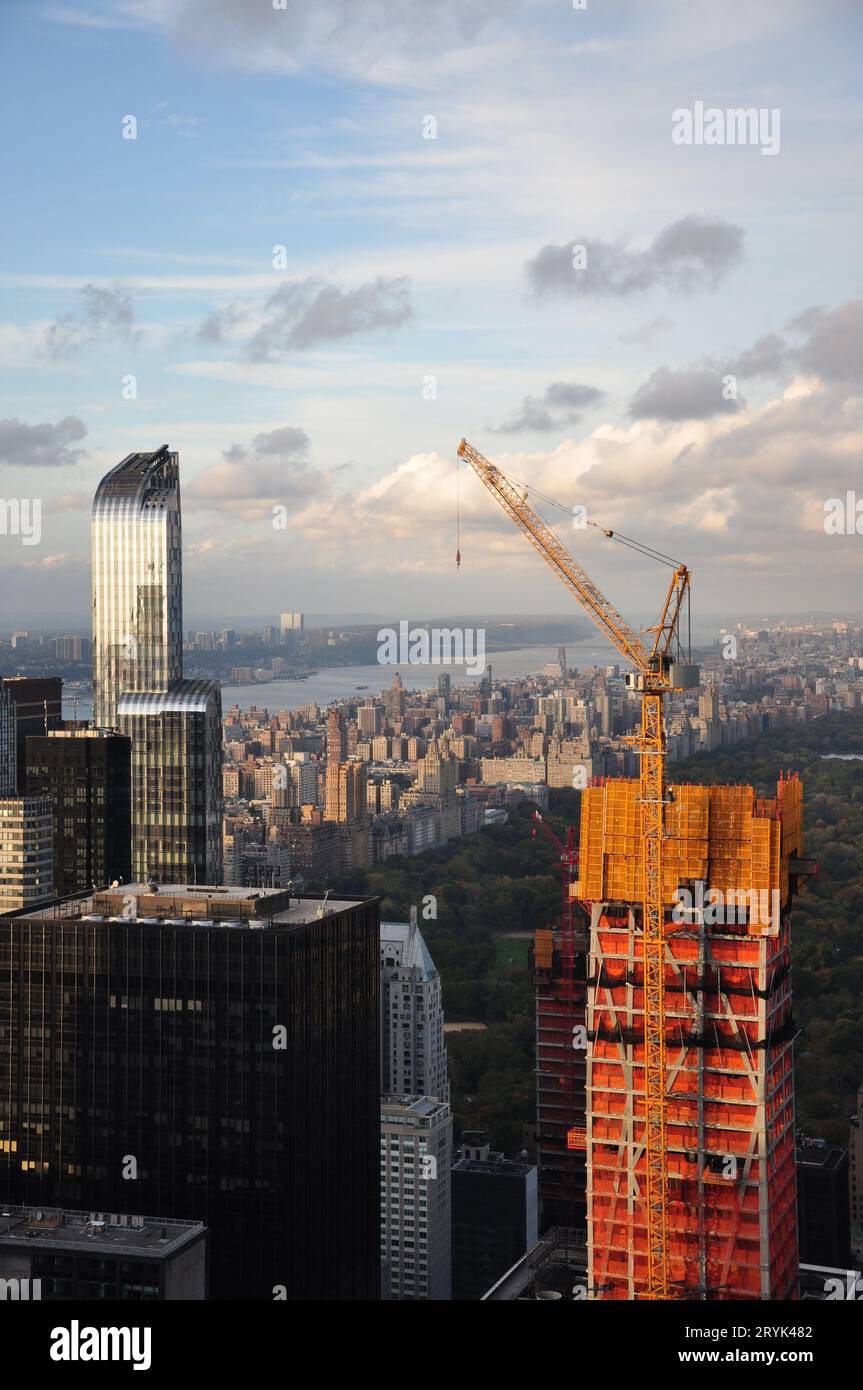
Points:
point(658, 669)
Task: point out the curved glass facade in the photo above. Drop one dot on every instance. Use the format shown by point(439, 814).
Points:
point(137, 580)
point(176, 781)
point(138, 686)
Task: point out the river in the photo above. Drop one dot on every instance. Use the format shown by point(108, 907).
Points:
point(341, 682)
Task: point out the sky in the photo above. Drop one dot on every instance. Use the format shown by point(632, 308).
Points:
point(312, 246)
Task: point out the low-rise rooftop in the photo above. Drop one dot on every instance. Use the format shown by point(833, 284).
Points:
point(411, 1109)
point(94, 1233)
point(179, 904)
point(820, 1155)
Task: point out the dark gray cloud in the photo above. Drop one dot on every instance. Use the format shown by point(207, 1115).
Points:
point(289, 442)
point(691, 393)
point(303, 313)
point(273, 467)
point(690, 255)
point(829, 346)
point(103, 310)
point(41, 446)
point(310, 311)
point(834, 349)
point(767, 357)
point(559, 405)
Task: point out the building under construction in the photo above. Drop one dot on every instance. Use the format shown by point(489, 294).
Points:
point(730, 866)
point(681, 1113)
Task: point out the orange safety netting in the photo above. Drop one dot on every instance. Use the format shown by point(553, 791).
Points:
point(724, 837)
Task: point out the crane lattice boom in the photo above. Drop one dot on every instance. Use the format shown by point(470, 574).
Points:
point(604, 614)
point(655, 677)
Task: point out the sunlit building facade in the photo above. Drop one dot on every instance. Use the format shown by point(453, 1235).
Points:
point(174, 725)
point(137, 580)
point(26, 852)
point(176, 781)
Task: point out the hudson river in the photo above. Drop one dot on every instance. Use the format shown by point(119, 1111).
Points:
point(340, 682)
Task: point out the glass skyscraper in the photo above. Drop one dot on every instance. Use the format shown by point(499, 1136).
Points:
point(176, 782)
point(137, 581)
point(138, 685)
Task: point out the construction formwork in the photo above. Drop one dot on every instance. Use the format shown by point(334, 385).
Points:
point(731, 1209)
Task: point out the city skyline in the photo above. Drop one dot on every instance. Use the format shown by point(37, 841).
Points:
point(431, 665)
point(428, 193)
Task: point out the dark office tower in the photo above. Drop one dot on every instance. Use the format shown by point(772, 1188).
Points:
point(213, 1058)
point(7, 743)
point(176, 781)
point(494, 1216)
point(823, 1215)
point(444, 687)
point(137, 581)
point(37, 703)
point(86, 772)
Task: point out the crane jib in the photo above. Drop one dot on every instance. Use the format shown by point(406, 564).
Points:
point(655, 678)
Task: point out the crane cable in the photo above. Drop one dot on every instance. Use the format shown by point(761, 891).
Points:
point(631, 544)
point(619, 536)
point(458, 511)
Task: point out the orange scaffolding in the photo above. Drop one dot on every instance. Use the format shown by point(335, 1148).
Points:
point(728, 1041)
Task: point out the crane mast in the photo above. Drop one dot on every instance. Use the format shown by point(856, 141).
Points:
point(656, 673)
